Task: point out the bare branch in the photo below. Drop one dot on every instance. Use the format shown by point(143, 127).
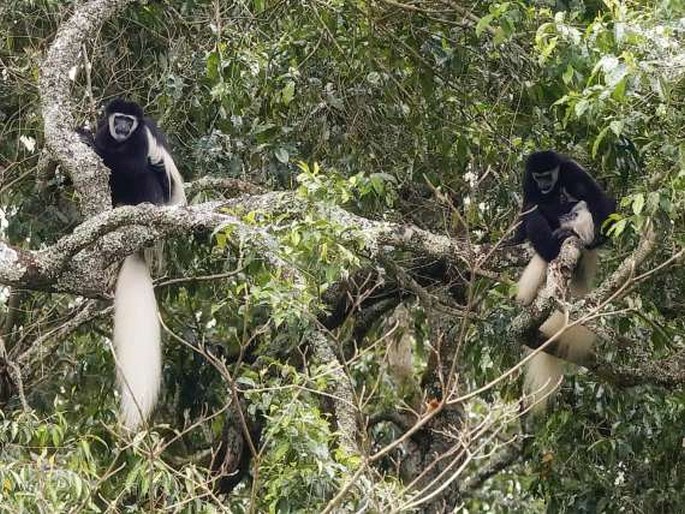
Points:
point(45, 344)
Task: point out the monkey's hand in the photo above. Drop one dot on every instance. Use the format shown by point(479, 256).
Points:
point(86, 136)
point(563, 233)
point(518, 237)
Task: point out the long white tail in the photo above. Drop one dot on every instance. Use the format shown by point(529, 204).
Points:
point(584, 274)
point(531, 280)
point(137, 341)
point(545, 372)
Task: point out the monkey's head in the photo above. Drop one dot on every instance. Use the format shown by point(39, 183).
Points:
point(123, 118)
point(544, 168)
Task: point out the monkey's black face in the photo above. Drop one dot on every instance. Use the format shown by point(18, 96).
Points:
point(122, 126)
point(546, 180)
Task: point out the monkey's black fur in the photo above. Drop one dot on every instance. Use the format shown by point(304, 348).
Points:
point(135, 178)
point(542, 210)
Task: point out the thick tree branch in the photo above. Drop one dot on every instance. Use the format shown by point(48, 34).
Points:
point(383, 237)
point(76, 262)
point(346, 415)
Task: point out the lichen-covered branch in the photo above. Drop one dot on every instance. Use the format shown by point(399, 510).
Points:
point(74, 264)
point(346, 415)
point(77, 262)
point(18, 267)
point(384, 237)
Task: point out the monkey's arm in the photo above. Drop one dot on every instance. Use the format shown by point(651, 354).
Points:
point(158, 169)
point(579, 183)
point(546, 243)
point(86, 136)
point(519, 234)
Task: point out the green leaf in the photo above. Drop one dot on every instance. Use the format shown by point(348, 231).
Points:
point(288, 93)
point(638, 203)
point(56, 436)
point(617, 228)
point(665, 204)
point(377, 184)
point(499, 37)
point(564, 99)
point(246, 381)
point(598, 141)
point(483, 24)
point(263, 127)
point(567, 76)
point(295, 238)
point(213, 65)
point(581, 107)
point(652, 203)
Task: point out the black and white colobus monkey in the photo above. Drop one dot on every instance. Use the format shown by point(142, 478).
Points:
point(560, 199)
point(142, 170)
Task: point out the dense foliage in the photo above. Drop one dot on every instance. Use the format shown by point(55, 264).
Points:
point(370, 106)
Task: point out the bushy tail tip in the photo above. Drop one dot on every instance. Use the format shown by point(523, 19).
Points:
point(584, 274)
point(137, 342)
point(531, 280)
point(545, 372)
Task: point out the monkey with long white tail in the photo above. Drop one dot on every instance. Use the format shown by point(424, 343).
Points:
point(142, 170)
point(560, 199)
